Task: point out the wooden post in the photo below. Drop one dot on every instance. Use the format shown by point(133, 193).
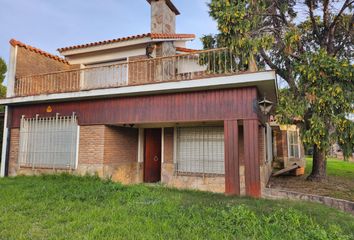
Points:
point(251, 151)
point(232, 170)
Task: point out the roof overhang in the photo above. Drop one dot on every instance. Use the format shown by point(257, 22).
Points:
point(264, 81)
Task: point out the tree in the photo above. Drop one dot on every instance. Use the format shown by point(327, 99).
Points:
point(310, 45)
point(3, 70)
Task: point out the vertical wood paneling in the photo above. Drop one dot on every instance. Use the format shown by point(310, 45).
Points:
point(232, 165)
point(251, 157)
point(208, 105)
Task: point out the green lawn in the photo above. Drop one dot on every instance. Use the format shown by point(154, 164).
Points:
point(68, 207)
point(335, 167)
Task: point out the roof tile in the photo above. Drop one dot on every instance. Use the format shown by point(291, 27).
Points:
point(151, 35)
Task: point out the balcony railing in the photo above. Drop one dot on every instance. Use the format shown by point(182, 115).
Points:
point(196, 65)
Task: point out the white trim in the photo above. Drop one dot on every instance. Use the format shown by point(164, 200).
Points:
point(77, 147)
point(298, 142)
point(141, 145)
point(162, 145)
point(258, 79)
point(12, 72)
point(4, 144)
point(132, 42)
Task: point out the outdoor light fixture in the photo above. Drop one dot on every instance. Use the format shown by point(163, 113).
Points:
point(265, 106)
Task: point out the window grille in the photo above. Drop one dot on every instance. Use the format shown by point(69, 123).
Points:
point(200, 150)
point(48, 142)
point(293, 142)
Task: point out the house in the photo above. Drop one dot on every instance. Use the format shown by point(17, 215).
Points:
point(143, 108)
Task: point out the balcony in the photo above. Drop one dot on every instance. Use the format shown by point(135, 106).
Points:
point(196, 65)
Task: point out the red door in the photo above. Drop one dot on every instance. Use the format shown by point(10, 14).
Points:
point(152, 155)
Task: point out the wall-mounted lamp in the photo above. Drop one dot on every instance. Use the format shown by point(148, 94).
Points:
point(265, 106)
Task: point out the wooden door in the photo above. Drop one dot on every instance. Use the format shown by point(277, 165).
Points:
point(152, 155)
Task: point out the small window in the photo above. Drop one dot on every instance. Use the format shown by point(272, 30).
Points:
point(48, 142)
point(200, 150)
point(293, 144)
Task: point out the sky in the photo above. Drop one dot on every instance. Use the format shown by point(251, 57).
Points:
point(52, 24)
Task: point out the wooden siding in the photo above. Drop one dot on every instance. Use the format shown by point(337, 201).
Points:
point(232, 163)
point(207, 105)
point(251, 157)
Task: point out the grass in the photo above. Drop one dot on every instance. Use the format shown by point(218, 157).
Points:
point(335, 168)
point(339, 182)
point(69, 207)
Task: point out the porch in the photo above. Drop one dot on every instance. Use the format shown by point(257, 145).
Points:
point(131, 72)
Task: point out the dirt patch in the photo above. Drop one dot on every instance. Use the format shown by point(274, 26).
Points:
point(335, 187)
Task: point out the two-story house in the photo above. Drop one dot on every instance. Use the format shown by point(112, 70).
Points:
point(139, 109)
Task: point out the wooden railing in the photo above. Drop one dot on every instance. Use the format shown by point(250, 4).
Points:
point(199, 64)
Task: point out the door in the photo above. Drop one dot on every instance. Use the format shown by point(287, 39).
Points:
point(152, 155)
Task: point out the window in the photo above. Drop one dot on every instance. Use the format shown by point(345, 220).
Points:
point(293, 144)
point(48, 142)
point(200, 150)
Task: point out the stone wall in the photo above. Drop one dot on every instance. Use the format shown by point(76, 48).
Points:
point(171, 179)
point(163, 19)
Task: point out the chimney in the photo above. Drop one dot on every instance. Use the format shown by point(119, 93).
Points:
point(163, 16)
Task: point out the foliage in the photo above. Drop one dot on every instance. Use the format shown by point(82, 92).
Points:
point(291, 37)
point(3, 70)
point(69, 207)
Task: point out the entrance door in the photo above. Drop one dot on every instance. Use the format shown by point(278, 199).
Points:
point(152, 155)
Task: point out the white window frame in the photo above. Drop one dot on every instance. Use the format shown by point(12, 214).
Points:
point(290, 145)
point(39, 147)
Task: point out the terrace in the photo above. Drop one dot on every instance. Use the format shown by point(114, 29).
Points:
point(195, 65)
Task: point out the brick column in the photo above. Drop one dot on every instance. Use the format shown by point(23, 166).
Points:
point(251, 151)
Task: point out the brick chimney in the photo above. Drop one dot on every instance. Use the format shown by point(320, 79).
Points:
point(163, 16)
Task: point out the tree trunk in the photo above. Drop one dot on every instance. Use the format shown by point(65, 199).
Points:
point(319, 166)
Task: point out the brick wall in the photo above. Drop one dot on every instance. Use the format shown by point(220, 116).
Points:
point(91, 144)
point(141, 72)
point(14, 151)
point(32, 63)
point(29, 63)
point(120, 145)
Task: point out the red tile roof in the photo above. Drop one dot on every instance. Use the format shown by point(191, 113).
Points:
point(187, 50)
point(151, 35)
point(14, 42)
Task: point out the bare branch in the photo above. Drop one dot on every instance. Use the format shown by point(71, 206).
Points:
point(346, 4)
point(310, 5)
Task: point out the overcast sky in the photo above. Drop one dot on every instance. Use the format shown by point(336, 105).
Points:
point(51, 24)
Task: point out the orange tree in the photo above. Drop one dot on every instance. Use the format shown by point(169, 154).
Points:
point(310, 45)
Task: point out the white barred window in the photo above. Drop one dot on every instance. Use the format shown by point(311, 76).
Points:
point(200, 150)
point(49, 142)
